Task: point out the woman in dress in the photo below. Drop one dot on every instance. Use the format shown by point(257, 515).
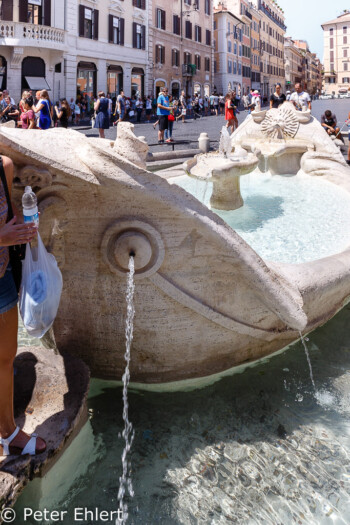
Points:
point(12, 439)
point(46, 110)
point(27, 117)
point(63, 113)
point(230, 112)
point(102, 117)
point(277, 98)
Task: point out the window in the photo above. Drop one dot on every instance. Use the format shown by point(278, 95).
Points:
point(331, 56)
point(208, 37)
point(207, 64)
point(240, 51)
point(229, 66)
point(228, 27)
point(116, 30)
point(198, 33)
point(87, 22)
point(187, 58)
point(187, 2)
point(197, 61)
point(139, 36)
point(346, 80)
point(176, 25)
point(175, 60)
point(6, 11)
point(214, 25)
point(331, 43)
point(34, 13)
point(345, 30)
point(332, 66)
point(229, 46)
point(235, 48)
point(160, 19)
point(345, 53)
point(188, 29)
point(141, 4)
point(235, 68)
point(160, 54)
point(331, 31)
point(345, 39)
point(207, 7)
point(345, 66)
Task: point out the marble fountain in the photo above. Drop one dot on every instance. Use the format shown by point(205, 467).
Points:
point(205, 300)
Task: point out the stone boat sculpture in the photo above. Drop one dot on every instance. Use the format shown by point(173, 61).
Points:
point(204, 300)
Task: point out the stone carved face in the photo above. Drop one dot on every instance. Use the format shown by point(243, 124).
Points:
point(280, 123)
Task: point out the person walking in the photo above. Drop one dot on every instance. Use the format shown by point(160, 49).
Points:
point(182, 107)
point(139, 108)
point(63, 113)
point(301, 99)
point(277, 98)
point(45, 110)
point(121, 106)
point(229, 113)
point(163, 113)
point(148, 108)
point(27, 117)
point(13, 441)
point(102, 116)
point(168, 133)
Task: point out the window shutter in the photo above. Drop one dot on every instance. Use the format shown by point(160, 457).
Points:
point(134, 36)
point(110, 28)
point(23, 11)
point(95, 15)
point(143, 37)
point(173, 57)
point(200, 34)
point(47, 12)
point(163, 19)
point(7, 10)
point(157, 54)
point(81, 19)
point(121, 31)
point(143, 6)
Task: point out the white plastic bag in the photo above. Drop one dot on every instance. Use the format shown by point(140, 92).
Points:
point(41, 290)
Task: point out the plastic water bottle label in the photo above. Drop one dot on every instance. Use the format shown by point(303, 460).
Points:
point(32, 218)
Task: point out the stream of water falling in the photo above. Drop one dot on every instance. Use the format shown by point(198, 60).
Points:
point(308, 359)
point(128, 433)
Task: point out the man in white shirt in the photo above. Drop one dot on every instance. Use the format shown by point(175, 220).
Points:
point(301, 99)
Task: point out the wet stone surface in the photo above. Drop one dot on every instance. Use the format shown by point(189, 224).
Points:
point(49, 399)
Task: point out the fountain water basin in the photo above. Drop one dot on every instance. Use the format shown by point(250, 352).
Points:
point(224, 170)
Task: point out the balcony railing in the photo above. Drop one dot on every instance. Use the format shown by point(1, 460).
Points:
point(18, 33)
point(188, 70)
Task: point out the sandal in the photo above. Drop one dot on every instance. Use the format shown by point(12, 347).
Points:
point(30, 447)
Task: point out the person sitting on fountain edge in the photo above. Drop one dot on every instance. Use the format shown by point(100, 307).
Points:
point(329, 123)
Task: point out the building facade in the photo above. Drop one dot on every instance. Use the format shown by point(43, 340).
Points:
point(107, 47)
point(75, 46)
point(228, 50)
point(336, 35)
point(255, 47)
point(180, 53)
point(33, 42)
point(293, 60)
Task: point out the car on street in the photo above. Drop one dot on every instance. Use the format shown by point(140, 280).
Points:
point(325, 97)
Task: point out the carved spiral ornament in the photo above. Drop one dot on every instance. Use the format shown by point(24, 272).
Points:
point(280, 123)
point(126, 238)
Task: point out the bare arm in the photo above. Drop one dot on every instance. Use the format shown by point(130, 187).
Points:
point(96, 105)
point(36, 109)
point(13, 232)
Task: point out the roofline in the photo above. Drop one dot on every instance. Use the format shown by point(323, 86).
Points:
point(225, 11)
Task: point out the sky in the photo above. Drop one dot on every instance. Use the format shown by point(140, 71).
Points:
point(304, 19)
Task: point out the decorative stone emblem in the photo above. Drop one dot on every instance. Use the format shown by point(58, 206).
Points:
point(280, 123)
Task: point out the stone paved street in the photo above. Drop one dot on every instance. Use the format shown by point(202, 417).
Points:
point(212, 125)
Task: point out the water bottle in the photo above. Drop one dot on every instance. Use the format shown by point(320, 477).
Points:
point(30, 208)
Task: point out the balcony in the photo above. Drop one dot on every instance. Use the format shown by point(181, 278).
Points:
point(188, 70)
point(22, 34)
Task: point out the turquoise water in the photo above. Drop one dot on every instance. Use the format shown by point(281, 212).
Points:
point(290, 219)
point(259, 447)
